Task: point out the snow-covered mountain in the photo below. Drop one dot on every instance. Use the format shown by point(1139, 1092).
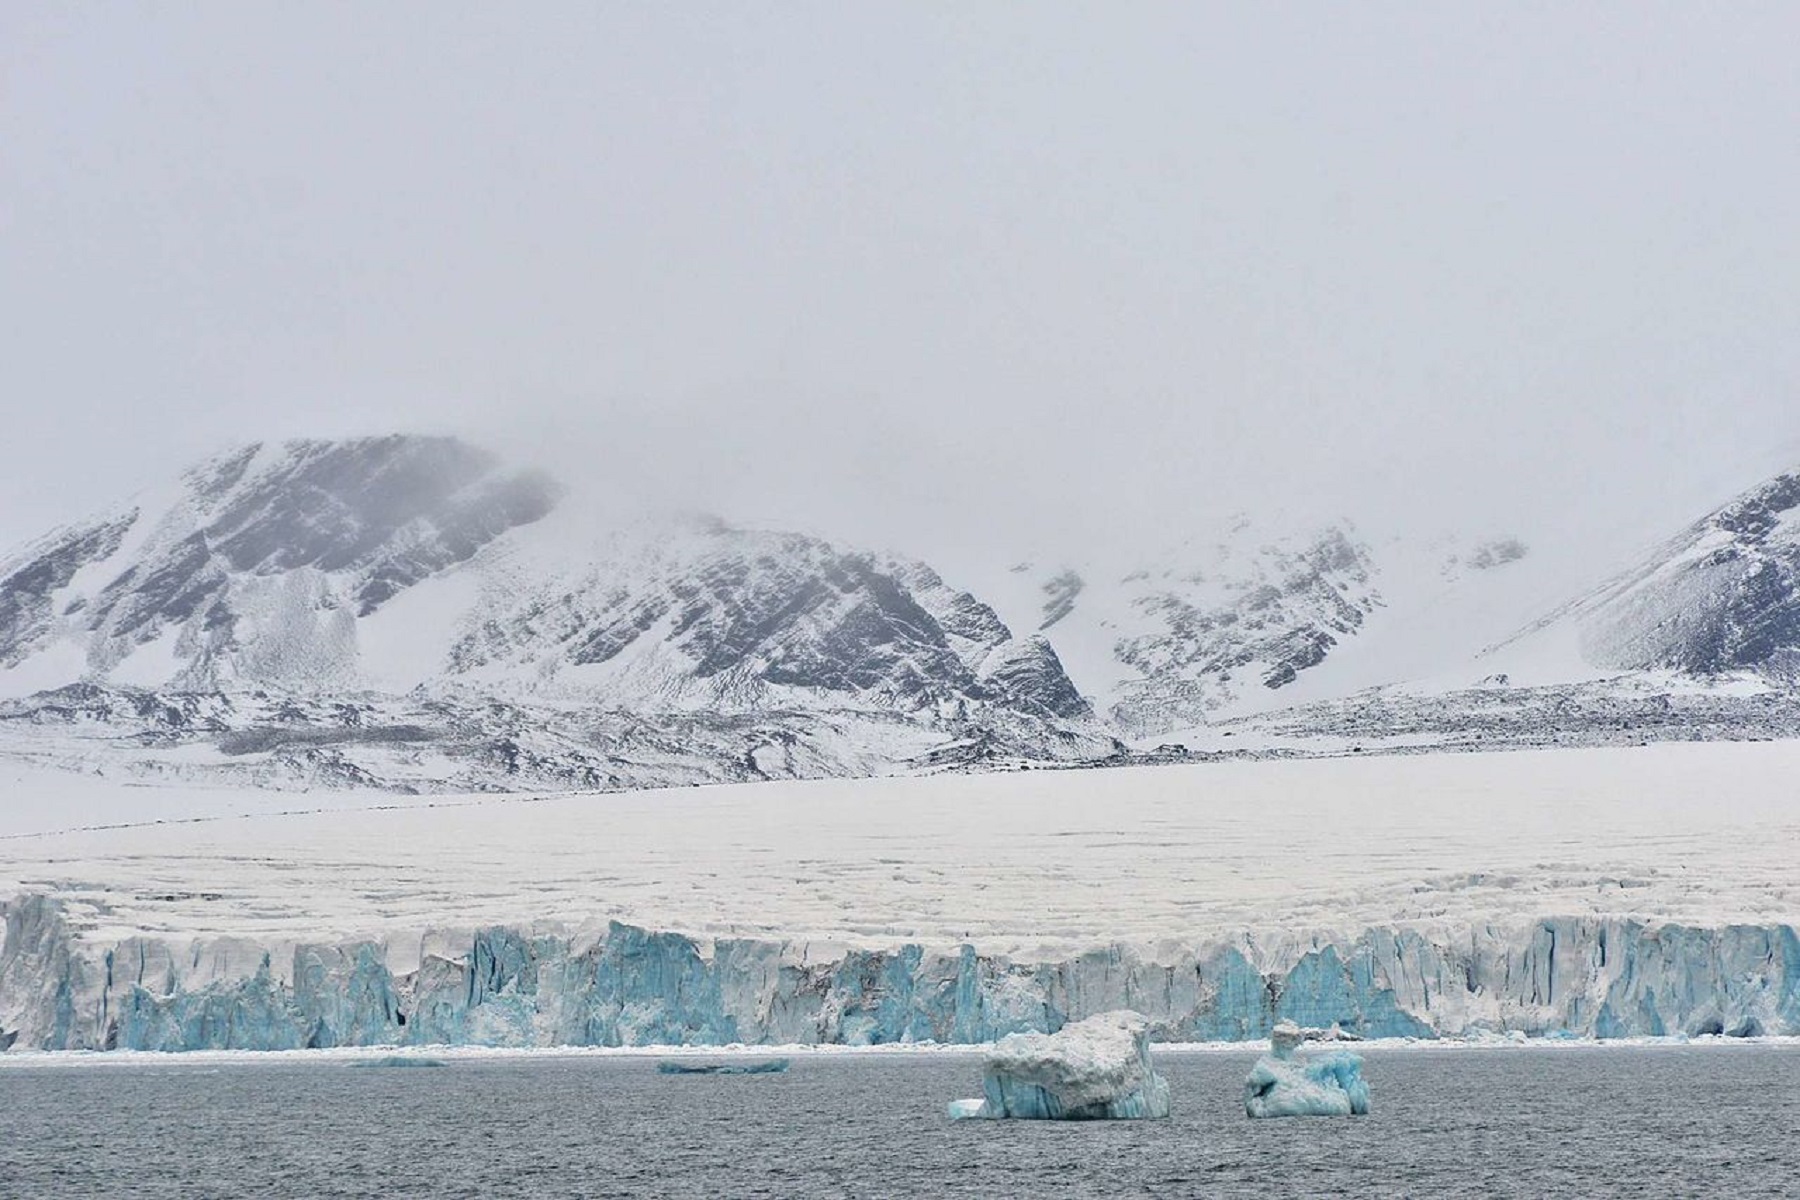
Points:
point(704, 616)
point(1266, 616)
point(1722, 596)
point(1169, 643)
point(256, 567)
point(409, 612)
point(405, 611)
point(1698, 640)
point(397, 562)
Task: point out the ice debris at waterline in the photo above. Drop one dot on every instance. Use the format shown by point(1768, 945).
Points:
point(771, 1066)
point(69, 983)
point(1286, 1084)
point(1094, 1070)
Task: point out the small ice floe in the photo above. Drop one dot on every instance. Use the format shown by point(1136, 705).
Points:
point(1092, 1070)
point(399, 1060)
point(767, 1066)
point(1284, 1083)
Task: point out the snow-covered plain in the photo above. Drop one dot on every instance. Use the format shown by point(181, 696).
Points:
point(1022, 863)
point(36, 798)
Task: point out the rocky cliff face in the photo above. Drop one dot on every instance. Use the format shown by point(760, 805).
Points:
point(31, 581)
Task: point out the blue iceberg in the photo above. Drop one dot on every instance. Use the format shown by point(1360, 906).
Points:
point(1286, 1084)
point(1093, 1070)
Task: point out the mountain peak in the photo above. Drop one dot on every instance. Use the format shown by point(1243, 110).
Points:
point(386, 563)
point(255, 562)
point(1723, 595)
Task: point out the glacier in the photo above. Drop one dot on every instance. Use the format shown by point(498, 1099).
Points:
point(1094, 1069)
point(1284, 1084)
point(63, 988)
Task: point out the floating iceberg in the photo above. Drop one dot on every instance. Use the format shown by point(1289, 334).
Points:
point(1097, 1069)
point(767, 1066)
point(1282, 1084)
point(400, 1060)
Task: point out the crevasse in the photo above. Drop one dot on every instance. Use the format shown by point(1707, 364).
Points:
point(627, 986)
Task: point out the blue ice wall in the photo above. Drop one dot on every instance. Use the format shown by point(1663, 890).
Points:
point(632, 986)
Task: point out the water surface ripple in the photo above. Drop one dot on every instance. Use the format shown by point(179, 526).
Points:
point(1649, 1121)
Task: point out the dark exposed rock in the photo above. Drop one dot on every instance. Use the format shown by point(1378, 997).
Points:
point(252, 741)
point(134, 709)
point(1030, 675)
point(1060, 593)
point(28, 585)
point(1609, 712)
point(1496, 553)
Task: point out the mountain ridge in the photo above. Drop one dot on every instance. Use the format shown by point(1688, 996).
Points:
point(456, 603)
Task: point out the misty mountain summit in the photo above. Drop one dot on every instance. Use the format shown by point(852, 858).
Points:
point(367, 609)
point(255, 567)
point(277, 565)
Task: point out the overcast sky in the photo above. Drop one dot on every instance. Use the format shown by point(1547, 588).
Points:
point(972, 274)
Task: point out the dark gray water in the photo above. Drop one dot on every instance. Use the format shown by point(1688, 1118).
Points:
point(1662, 1121)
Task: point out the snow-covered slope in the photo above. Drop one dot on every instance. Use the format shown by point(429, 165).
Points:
point(1171, 641)
point(1721, 596)
point(1025, 863)
point(1259, 619)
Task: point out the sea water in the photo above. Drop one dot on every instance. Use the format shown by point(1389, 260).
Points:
point(1607, 1121)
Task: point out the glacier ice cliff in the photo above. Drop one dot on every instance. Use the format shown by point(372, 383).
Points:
point(63, 987)
point(1094, 1069)
point(1286, 1084)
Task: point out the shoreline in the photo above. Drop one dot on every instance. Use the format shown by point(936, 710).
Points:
point(20, 1059)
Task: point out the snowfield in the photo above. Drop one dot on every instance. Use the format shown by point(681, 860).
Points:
point(1023, 863)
